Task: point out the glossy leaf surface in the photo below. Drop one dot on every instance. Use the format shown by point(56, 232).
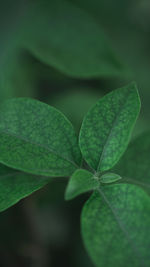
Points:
point(107, 127)
point(115, 226)
point(36, 138)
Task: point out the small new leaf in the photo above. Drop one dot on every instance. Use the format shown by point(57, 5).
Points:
point(108, 178)
point(37, 138)
point(107, 127)
point(80, 182)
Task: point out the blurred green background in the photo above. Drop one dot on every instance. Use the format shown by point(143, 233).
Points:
point(67, 54)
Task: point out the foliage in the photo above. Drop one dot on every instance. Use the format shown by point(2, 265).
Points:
point(70, 54)
point(38, 139)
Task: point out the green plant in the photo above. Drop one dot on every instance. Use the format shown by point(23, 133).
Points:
point(38, 142)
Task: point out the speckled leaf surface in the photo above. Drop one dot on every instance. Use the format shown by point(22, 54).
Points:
point(107, 127)
point(36, 138)
point(116, 226)
point(134, 166)
point(80, 182)
point(69, 39)
point(15, 185)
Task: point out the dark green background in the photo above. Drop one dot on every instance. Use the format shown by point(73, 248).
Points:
point(44, 226)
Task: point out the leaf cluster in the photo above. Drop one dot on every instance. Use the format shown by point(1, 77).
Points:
point(38, 143)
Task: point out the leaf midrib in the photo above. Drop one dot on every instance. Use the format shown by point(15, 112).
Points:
point(111, 130)
point(39, 145)
point(122, 228)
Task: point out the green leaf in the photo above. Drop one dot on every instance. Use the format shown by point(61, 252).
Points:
point(107, 127)
point(37, 138)
point(69, 39)
point(80, 182)
point(109, 178)
point(134, 166)
point(15, 185)
point(116, 226)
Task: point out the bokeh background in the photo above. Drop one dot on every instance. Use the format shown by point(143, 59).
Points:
point(67, 54)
